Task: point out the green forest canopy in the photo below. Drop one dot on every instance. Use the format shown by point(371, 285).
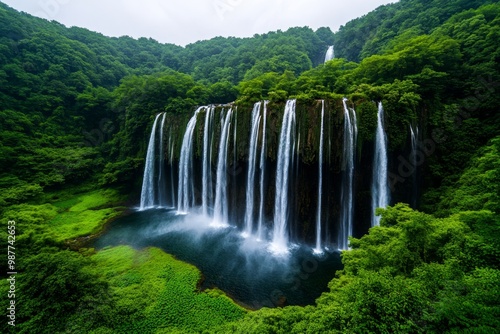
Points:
point(74, 104)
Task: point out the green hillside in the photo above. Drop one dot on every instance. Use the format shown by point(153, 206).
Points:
point(76, 108)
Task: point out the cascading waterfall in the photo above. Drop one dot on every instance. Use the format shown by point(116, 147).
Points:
point(207, 166)
point(159, 187)
point(148, 188)
point(262, 173)
point(171, 163)
point(285, 153)
point(380, 188)
point(318, 248)
point(330, 53)
point(186, 189)
point(414, 162)
point(235, 166)
point(252, 161)
point(235, 147)
point(210, 156)
point(347, 190)
point(221, 201)
point(162, 198)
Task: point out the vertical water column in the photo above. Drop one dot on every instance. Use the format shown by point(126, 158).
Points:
point(207, 165)
point(285, 153)
point(148, 188)
point(221, 201)
point(318, 248)
point(347, 190)
point(171, 146)
point(162, 191)
point(235, 170)
point(185, 190)
point(380, 188)
point(262, 167)
point(252, 162)
point(330, 53)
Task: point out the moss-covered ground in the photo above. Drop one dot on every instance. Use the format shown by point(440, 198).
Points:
point(147, 291)
point(161, 292)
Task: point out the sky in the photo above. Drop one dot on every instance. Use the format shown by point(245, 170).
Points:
point(186, 21)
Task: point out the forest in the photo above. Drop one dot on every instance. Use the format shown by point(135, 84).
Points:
point(76, 110)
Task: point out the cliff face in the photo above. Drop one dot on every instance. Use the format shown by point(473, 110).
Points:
point(304, 169)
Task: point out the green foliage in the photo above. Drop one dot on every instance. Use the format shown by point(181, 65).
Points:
point(382, 28)
point(76, 107)
point(476, 189)
point(154, 290)
point(61, 284)
point(367, 122)
point(412, 274)
point(84, 215)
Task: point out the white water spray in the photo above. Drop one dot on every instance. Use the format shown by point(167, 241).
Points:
point(330, 53)
point(207, 172)
point(185, 191)
point(252, 161)
point(262, 172)
point(285, 153)
point(380, 188)
point(318, 248)
point(347, 190)
point(221, 201)
point(148, 188)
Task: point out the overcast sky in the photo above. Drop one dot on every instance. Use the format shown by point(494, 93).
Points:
point(186, 21)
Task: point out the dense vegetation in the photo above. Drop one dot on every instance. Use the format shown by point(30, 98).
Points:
point(415, 273)
point(74, 109)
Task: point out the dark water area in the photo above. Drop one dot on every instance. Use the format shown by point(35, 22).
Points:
point(244, 268)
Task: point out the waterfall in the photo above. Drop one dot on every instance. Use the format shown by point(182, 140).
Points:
point(210, 157)
point(162, 200)
point(221, 201)
point(285, 153)
point(186, 188)
point(148, 189)
point(347, 190)
point(320, 182)
point(234, 168)
point(171, 163)
point(262, 172)
point(414, 163)
point(252, 161)
point(207, 166)
point(235, 151)
point(330, 53)
point(380, 189)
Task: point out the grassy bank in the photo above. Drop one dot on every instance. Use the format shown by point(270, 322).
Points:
point(115, 290)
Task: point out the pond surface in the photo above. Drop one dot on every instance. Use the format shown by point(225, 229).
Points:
point(244, 268)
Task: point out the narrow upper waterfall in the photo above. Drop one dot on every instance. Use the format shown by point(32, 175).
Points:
point(206, 196)
point(414, 162)
point(318, 248)
point(262, 167)
point(347, 189)
point(283, 173)
point(221, 214)
point(252, 162)
point(162, 195)
point(380, 188)
point(330, 53)
point(148, 187)
point(185, 191)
